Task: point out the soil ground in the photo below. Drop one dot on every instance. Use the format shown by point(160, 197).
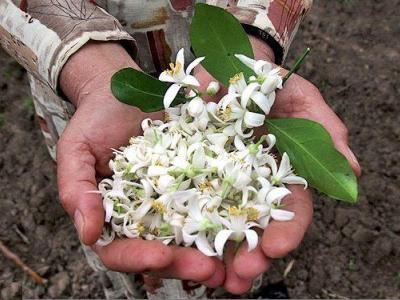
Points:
point(351, 251)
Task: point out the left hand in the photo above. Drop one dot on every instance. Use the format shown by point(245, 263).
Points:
point(299, 99)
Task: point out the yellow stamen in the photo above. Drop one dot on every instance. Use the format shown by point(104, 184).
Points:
point(234, 211)
point(205, 185)
point(174, 68)
point(224, 115)
point(252, 214)
point(140, 228)
point(159, 207)
point(235, 78)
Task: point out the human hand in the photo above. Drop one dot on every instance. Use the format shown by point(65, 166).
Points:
point(299, 99)
point(99, 124)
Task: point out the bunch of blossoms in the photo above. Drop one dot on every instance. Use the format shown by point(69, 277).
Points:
point(201, 177)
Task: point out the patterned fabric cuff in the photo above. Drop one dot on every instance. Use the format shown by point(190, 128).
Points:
point(274, 21)
point(43, 34)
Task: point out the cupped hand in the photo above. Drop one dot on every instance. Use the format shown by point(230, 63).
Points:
point(298, 99)
point(100, 124)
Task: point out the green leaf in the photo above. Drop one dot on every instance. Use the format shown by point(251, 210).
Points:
point(139, 89)
point(314, 157)
point(218, 36)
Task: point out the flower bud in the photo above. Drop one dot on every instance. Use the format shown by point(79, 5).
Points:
point(196, 107)
point(213, 88)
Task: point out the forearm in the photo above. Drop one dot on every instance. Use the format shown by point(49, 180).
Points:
point(91, 69)
point(42, 35)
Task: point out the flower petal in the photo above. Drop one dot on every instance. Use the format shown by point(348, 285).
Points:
point(193, 64)
point(203, 245)
point(171, 94)
point(199, 158)
point(239, 143)
point(247, 93)
point(249, 62)
point(284, 167)
point(262, 102)
point(157, 171)
point(277, 194)
point(221, 239)
point(281, 215)
point(166, 77)
point(261, 67)
point(190, 80)
point(188, 238)
point(108, 206)
point(293, 179)
point(252, 239)
point(218, 139)
point(270, 84)
point(180, 57)
point(252, 119)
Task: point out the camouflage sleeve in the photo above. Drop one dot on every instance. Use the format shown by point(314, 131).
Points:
point(42, 34)
point(274, 21)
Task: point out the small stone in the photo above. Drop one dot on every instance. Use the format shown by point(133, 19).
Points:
point(342, 217)
point(60, 283)
point(363, 235)
point(302, 275)
point(335, 273)
point(381, 248)
point(12, 291)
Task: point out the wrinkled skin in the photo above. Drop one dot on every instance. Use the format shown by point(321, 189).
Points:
point(101, 123)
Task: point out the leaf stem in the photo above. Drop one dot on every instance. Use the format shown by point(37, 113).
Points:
point(297, 64)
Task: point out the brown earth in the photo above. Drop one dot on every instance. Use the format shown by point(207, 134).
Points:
point(351, 251)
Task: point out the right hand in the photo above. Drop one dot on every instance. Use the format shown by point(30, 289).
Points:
point(83, 151)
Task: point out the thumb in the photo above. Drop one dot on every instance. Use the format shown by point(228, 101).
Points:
point(76, 176)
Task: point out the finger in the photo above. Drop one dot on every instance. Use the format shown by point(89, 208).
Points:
point(338, 131)
point(250, 264)
point(282, 237)
point(189, 264)
point(218, 277)
point(233, 283)
point(135, 255)
point(76, 178)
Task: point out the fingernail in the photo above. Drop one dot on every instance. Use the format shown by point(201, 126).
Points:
point(353, 158)
point(79, 222)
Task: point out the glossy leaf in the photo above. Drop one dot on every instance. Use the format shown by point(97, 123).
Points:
point(139, 89)
point(218, 36)
point(314, 157)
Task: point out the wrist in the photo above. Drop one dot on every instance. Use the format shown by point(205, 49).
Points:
point(90, 69)
point(261, 49)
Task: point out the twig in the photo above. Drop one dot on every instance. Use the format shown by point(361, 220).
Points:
point(297, 64)
point(288, 268)
point(21, 235)
point(15, 258)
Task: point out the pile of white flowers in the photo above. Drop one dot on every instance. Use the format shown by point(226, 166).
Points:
point(201, 177)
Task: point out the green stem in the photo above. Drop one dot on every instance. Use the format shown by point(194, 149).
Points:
point(297, 64)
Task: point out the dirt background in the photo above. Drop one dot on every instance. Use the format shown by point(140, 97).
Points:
point(351, 251)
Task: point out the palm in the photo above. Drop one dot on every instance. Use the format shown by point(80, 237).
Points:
point(298, 99)
point(101, 124)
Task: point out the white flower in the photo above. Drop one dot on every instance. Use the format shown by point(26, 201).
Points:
point(213, 88)
point(231, 113)
point(237, 230)
point(179, 77)
point(267, 76)
point(196, 107)
point(196, 226)
point(200, 177)
point(234, 175)
point(285, 172)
